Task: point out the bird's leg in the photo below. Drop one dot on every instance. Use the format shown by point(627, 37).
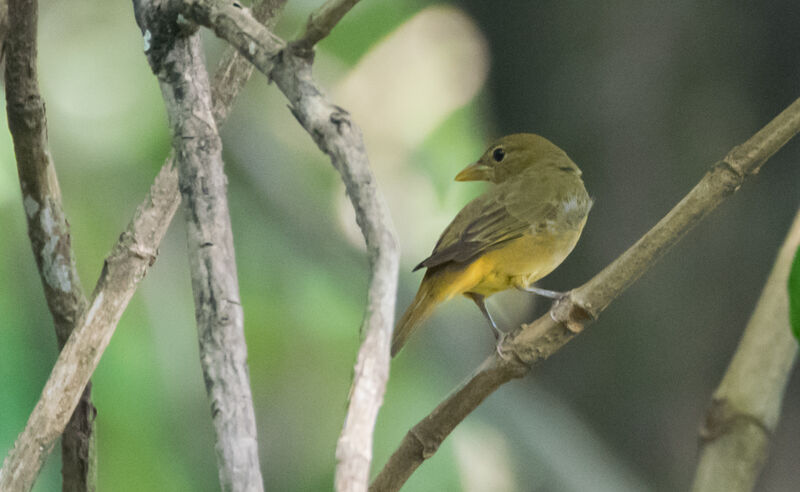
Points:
point(498, 335)
point(552, 294)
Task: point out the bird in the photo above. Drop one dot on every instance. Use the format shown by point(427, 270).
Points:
point(511, 236)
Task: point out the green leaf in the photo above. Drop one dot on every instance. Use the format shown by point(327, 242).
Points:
point(794, 295)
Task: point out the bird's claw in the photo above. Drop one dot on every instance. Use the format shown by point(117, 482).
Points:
point(501, 338)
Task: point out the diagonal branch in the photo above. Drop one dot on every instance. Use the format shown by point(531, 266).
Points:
point(338, 136)
point(747, 404)
point(48, 229)
point(176, 59)
point(535, 342)
point(125, 266)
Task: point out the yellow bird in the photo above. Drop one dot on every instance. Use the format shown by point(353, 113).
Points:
point(517, 232)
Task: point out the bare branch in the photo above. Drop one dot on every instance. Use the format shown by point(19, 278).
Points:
point(177, 60)
point(535, 342)
point(747, 404)
point(125, 266)
point(322, 21)
point(48, 229)
point(338, 136)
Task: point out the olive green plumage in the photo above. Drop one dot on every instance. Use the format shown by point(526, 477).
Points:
point(517, 232)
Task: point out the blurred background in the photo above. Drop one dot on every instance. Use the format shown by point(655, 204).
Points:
point(644, 96)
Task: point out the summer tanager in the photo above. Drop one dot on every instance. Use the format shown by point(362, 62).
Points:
point(517, 232)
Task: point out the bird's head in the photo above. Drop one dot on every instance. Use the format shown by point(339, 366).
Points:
point(510, 156)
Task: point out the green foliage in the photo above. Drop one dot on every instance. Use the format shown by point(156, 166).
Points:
point(794, 295)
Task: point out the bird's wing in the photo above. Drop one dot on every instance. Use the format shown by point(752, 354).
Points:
point(501, 215)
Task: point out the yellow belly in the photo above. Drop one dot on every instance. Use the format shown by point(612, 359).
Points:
point(517, 263)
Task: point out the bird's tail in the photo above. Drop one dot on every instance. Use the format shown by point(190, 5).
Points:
point(427, 298)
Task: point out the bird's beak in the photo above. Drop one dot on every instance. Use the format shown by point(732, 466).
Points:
point(475, 172)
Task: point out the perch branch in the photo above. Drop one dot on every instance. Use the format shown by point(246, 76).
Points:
point(535, 342)
point(48, 228)
point(338, 136)
point(176, 59)
point(124, 267)
point(746, 406)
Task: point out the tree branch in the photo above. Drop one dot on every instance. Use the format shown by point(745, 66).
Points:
point(176, 59)
point(535, 342)
point(338, 136)
point(125, 266)
point(322, 21)
point(746, 406)
point(48, 229)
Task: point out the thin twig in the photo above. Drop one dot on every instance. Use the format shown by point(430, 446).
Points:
point(535, 342)
point(176, 59)
point(338, 136)
point(48, 229)
point(747, 404)
point(124, 267)
point(322, 21)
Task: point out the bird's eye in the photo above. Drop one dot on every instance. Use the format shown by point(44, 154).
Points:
point(498, 154)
